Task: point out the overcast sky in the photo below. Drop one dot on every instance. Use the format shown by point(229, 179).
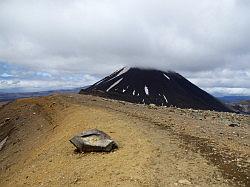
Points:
point(48, 44)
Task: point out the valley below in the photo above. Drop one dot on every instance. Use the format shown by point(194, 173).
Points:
point(158, 146)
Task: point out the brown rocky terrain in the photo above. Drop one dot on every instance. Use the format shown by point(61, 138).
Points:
point(158, 146)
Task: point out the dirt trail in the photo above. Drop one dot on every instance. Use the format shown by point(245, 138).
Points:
point(38, 151)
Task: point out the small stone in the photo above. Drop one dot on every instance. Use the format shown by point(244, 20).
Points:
point(7, 119)
point(184, 181)
point(234, 125)
point(151, 105)
point(2, 143)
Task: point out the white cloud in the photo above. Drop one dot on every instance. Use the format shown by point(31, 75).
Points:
point(197, 38)
point(5, 75)
point(38, 85)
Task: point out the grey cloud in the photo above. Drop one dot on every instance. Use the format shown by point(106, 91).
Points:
point(96, 37)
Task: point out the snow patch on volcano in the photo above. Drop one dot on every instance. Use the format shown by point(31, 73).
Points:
point(166, 76)
point(124, 70)
point(165, 98)
point(113, 85)
point(146, 90)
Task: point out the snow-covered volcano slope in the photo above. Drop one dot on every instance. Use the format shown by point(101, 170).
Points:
point(153, 86)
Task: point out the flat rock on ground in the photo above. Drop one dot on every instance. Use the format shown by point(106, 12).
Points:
point(93, 140)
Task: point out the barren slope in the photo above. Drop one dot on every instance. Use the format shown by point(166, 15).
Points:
point(158, 146)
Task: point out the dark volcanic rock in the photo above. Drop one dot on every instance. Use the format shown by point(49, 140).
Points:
point(148, 86)
point(93, 140)
point(242, 107)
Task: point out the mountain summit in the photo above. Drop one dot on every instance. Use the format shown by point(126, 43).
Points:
point(150, 86)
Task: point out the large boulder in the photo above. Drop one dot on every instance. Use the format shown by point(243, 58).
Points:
point(93, 141)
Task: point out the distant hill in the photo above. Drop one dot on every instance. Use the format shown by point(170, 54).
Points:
point(12, 96)
point(150, 86)
point(230, 99)
point(240, 104)
point(242, 107)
